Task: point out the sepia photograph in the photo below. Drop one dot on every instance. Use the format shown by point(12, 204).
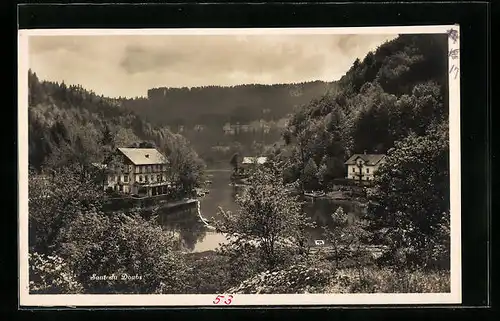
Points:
point(218, 167)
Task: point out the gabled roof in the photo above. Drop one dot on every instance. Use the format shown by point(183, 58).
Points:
point(144, 156)
point(370, 159)
point(254, 160)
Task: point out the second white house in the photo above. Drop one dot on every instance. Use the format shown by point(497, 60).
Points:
point(363, 166)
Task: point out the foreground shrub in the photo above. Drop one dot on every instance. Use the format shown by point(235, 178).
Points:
point(123, 254)
point(409, 210)
point(299, 278)
point(384, 280)
point(209, 274)
point(51, 275)
point(269, 222)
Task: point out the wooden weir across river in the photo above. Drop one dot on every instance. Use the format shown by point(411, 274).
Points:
point(147, 202)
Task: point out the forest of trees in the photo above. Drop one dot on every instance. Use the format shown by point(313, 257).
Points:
point(214, 105)
point(69, 121)
point(399, 89)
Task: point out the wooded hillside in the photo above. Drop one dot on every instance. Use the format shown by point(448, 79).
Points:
point(66, 120)
point(399, 89)
point(214, 105)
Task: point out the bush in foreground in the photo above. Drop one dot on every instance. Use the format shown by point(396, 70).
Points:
point(321, 277)
point(299, 278)
point(51, 275)
point(384, 280)
point(134, 254)
point(208, 274)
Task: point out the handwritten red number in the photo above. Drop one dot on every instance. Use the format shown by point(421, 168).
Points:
point(228, 301)
point(217, 299)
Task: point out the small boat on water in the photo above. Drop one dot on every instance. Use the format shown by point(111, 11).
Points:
point(314, 194)
point(237, 185)
point(200, 192)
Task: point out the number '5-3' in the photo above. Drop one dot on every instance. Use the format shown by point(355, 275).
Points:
point(227, 301)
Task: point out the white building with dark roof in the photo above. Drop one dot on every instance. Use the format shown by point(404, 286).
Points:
point(363, 166)
point(141, 171)
point(254, 160)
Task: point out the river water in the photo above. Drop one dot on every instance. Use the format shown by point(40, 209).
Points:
point(190, 224)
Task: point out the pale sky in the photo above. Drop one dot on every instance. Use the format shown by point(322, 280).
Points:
point(128, 66)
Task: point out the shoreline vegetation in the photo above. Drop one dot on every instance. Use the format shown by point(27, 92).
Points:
point(393, 102)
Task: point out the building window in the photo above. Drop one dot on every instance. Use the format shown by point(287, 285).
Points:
point(149, 169)
point(367, 170)
point(143, 169)
point(141, 178)
point(125, 178)
point(137, 169)
point(354, 170)
point(164, 167)
point(147, 178)
point(158, 178)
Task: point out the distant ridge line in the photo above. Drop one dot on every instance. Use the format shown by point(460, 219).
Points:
point(245, 85)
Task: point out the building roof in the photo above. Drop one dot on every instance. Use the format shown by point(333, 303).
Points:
point(254, 160)
point(144, 156)
point(370, 159)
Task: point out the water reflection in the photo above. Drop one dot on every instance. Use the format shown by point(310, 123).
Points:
point(185, 224)
point(320, 212)
point(197, 237)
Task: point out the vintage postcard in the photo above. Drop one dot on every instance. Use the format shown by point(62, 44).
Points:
point(239, 167)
